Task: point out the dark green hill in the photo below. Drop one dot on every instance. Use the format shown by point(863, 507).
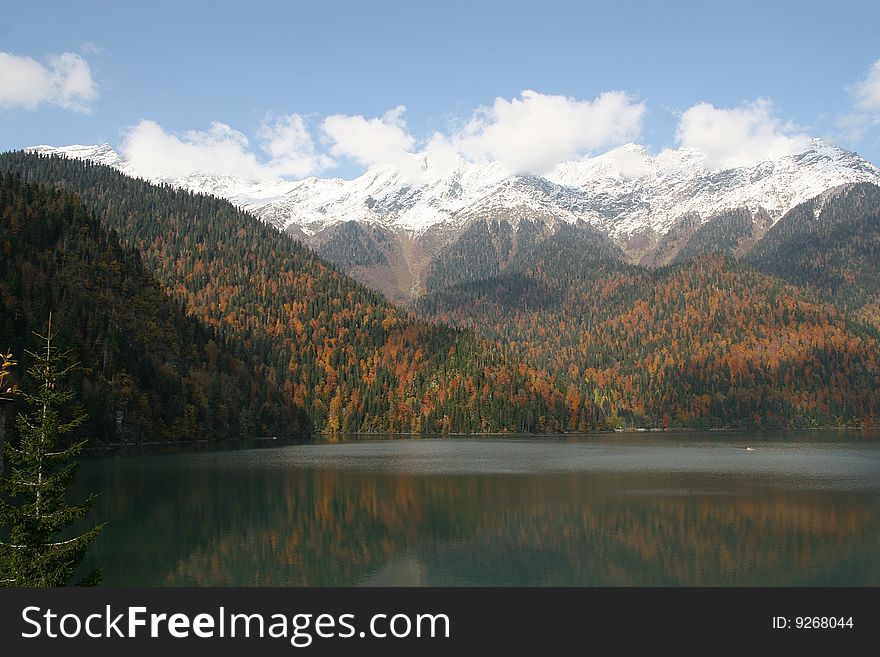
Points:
point(732, 233)
point(491, 248)
point(148, 372)
point(831, 245)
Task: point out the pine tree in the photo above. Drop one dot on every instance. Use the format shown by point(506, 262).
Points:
point(33, 505)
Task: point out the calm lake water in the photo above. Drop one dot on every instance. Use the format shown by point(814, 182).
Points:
point(687, 509)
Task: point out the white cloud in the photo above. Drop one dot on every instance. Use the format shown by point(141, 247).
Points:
point(441, 154)
point(529, 134)
point(289, 144)
point(66, 82)
point(533, 133)
point(222, 150)
point(740, 136)
point(630, 163)
point(853, 126)
point(866, 106)
point(377, 141)
point(867, 92)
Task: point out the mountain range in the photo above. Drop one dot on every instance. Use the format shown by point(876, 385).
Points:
point(397, 233)
point(745, 309)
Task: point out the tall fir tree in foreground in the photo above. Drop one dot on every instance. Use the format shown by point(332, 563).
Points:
point(32, 506)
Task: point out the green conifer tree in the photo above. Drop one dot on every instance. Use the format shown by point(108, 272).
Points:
point(33, 505)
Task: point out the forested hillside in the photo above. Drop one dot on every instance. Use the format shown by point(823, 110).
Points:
point(707, 343)
point(549, 332)
point(732, 233)
point(341, 352)
point(487, 249)
point(148, 372)
point(830, 245)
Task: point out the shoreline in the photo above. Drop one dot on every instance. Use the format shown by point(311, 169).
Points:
point(326, 438)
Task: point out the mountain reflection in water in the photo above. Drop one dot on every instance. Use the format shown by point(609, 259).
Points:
point(484, 512)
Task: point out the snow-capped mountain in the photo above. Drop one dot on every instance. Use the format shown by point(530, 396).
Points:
point(624, 191)
point(632, 196)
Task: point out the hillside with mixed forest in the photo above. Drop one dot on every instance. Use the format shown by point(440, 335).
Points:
point(344, 355)
point(707, 343)
point(831, 246)
point(147, 370)
point(523, 331)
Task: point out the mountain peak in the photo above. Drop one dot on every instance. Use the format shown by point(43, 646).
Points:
point(624, 191)
point(99, 153)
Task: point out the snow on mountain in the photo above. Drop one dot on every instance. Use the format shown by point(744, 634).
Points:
point(100, 153)
point(657, 190)
point(391, 229)
point(247, 193)
point(623, 192)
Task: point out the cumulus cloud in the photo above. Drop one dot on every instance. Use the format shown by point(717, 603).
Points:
point(630, 163)
point(534, 132)
point(741, 136)
point(528, 134)
point(866, 105)
point(378, 141)
point(853, 126)
point(66, 81)
point(441, 154)
point(222, 150)
point(289, 144)
point(531, 133)
point(153, 152)
point(867, 92)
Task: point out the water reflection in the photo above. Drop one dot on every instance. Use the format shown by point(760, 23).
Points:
point(288, 517)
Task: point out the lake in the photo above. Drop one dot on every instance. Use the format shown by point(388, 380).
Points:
point(690, 509)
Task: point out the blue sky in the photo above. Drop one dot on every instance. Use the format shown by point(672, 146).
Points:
point(183, 66)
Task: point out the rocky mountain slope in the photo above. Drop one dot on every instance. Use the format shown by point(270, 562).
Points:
point(389, 230)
